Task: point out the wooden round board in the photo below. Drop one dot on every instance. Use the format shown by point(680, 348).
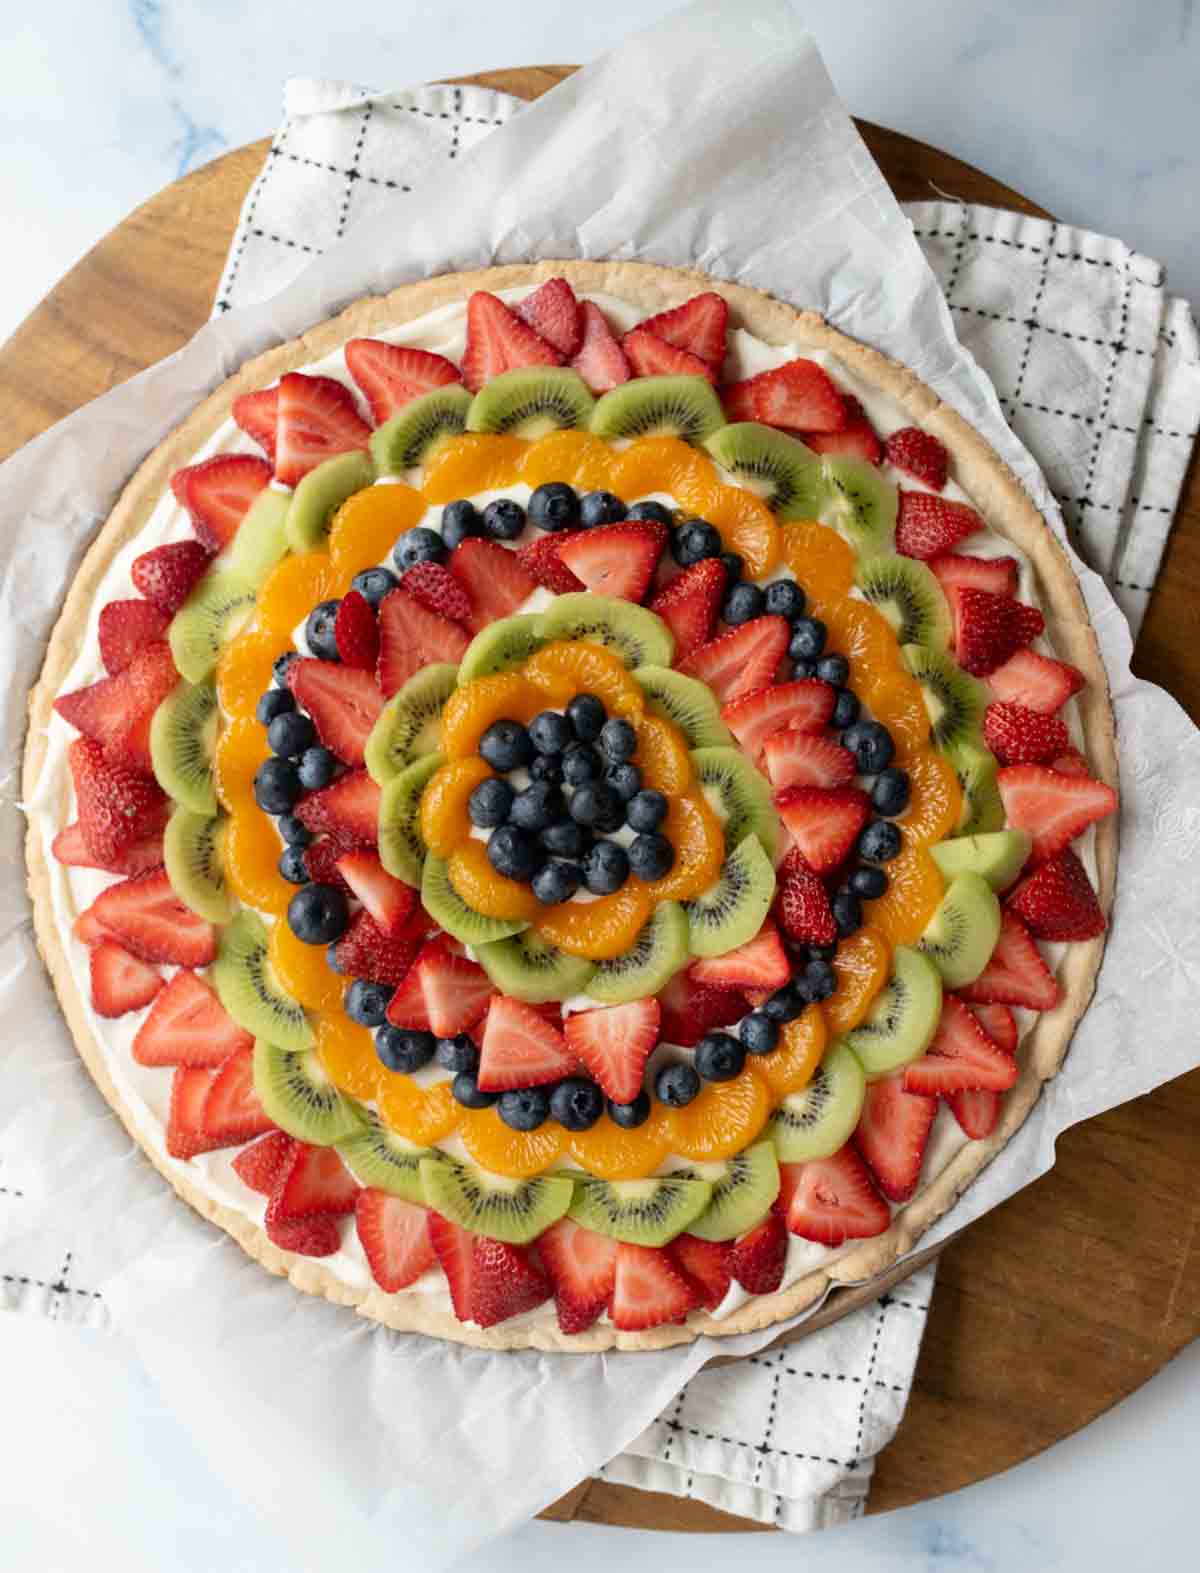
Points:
point(1087, 1282)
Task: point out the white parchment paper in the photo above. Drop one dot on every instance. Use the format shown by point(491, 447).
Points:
point(713, 139)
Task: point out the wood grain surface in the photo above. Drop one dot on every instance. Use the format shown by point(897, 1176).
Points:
point(1052, 1307)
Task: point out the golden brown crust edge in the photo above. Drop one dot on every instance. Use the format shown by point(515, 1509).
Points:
point(1001, 499)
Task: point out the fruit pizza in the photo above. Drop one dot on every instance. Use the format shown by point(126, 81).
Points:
point(571, 808)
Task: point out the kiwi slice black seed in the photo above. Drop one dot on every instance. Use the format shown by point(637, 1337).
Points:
point(643, 1212)
point(379, 1157)
point(975, 766)
point(909, 596)
point(954, 699)
point(531, 402)
point(401, 849)
point(820, 1119)
point(638, 636)
point(862, 503)
point(297, 1094)
point(447, 908)
point(650, 963)
point(525, 967)
point(409, 725)
point(683, 407)
point(321, 493)
point(410, 437)
point(904, 1017)
point(183, 735)
point(961, 935)
point(742, 1196)
point(210, 616)
point(193, 857)
point(489, 1204)
point(731, 911)
point(248, 989)
point(739, 795)
point(501, 646)
point(785, 473)
point(690, 704)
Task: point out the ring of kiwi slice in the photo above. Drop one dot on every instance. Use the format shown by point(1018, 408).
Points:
point(412, 436)
point(778, 468)
point(909, 596)
point(962, 933)
point(528, 969)
point(904, 1017)
point(954, 699)
point(998, 855)
point(741, 1196)
point(975, 766)
point(447, 908)
point(489, 1204)
point(321, 493)
point(739, 796)
point(248, 990)
point(297, 1094)
point(683, 407)
point(183, 735)
point(401, 849)
point(731, 911)
point(650, 963)
point(862, 503)
point(686, 702)
point(500, 646)
point(378, 1157)
point(638, 636)
point(410, 725)
point(261, 538)
point(531, 402)
point(206, 621)
point(193, 858)
point(820, 1119)
point(642, 1212)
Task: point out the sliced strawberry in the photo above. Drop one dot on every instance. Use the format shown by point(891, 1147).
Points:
point(407, 1007)
point(761, 963)
point(149, 919)
point(800, 759)
point(116, 803)
point(705, 1265)
point(740, 662)
point(519, 1048)
point(498, 340)
point(260, 1165)
point(389, 900)
point(690, 603)
point(389, 376)
point(857, 440)
point(365, 950)
point(321, 861)
point(217, 494)
point(613, 1044)
point(347, 810)
point(436, 588)
point(88, 929)
point(185, 1134)
point(1000, 1025)
point(489, 1281)
point(188, 1025)
point(454, 1248)
point(823, 822)
point(356, 632)
point(257, 414)
point(757, 1259)
point(344, 704)
point(117, 711)
point(600, 360)
point(494, 580)
point(832, 1200)
point(1072, 763)
point(802, 902)
point(976, 1112)
point(316, 419)
point(127, 627)
point(456, 991)
point(410, 637)
point(314, 1180)
point(1019, 736)
point(394, 1235)
point(648, 1290)
point(146, 853)
point(1035, 681)
point(649, 356)
point(1057, 901)
point(615, 559)
point(697, 326)
point(803, 706)
point(800, 396)
point(319, 1235)
point(892, 1134)
point(690, 1009)
point(927, 526)
point(166, 575)
point(1016, 973)
point(233, 1111)
point(955, 571)
point(120, 982)
point(540, 559)
point(1053, 807)
point(920, 454)
point(582, 1266)
point(960, 1058)
point(552, 311)
point(989, 629)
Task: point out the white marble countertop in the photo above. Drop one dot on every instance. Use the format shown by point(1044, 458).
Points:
point(1091, 109)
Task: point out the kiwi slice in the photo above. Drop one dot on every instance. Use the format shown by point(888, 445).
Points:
point(998, 855)
point(862, 503)
point(501, 646)
point(295, 1091)
point(817, 1121)
point(401, 850)
point(248, 990)
point(638, 636)
point(954, 699)
point(527, 968)
point(183, 734)
point(650, 963)
point(909, 596)
point(683, 407)
point(531, 402)
point(411, 436)
point(379, 1157)
point(644, 1212)
point(975, 767)
point(445, 906)
point(961, 935)
point(739, 796)
point(690, 704)
point(742, 1196)
point(321, 493)
point(779, 468)
point(212, 614)
point(192, 854)
point(732, 910)
point(261, 538)
point(409, 725)
point(903, 1018)
point(490, 1204)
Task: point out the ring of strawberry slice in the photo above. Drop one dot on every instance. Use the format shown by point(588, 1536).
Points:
point(148, 953)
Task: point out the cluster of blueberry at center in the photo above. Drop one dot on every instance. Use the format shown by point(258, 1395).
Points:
point(565, 786)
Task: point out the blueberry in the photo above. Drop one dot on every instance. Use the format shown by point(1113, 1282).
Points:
point(833, 669)
point(503, 519)
point(871, 745)
point(276, 786)
point(600, 508)
point(404, 1048)
point(554, 506)
point(733, 565)
point(785, 598)
point(808, 639)
point(801, 669)
point(457, 1054)
point(524, 1108)
point(489, 803)
point(879, 842)
point(618, 740)
point(647, 810)
point(317, 914)
point(758, 1033)
point(576, 1103)
point(283, 665)
point(294, 831)
point(275, 702)
point(742, 603)
point(537, 807)
point(318, 631)
point(630, 1115)
point(594, 804)
point(366, 1002)
point(605, 868)
point(419, 545)
point(845, 710)
point(373, 584)
point(581, 763)
point(514, 853)
point(556, 881)
point(677, 1084)
point(651, 855)
point(693, 541)
point(847, 912)
point(821, 952)
point(785, 1004)
point(820, 980)
point(292, 866)
point(467, 1091)
point(459, 520)
point(505, 745)
point(546, 767)
point(566, 839)
point(720, 1057)
point(317, 768)
point(290, 734)
point(651, 510)
point(625, 780)
point(586, 714)
point(551, 733)
point(891, 792)
point(868, 883)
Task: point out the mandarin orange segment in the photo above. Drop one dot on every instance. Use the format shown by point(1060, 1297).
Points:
point(474, 462)
point(611, 1153)
point(423, 1115)
point(914, 889)
point(936, 803)
point(485, 891)
point(251, 854)
point(600, 929)
point(664, 464)
point(347, 1051)
point(241, 748)
point(444, 819)
point(304, 970)
point(747, 527)
point(517, 1154)
point(291, 590)
point(576, 457)
point(244, 673)
point(662, 755)
point(790, 1065)
point(470, 710)
point(576, 666)
point(722, 1120)
point(367, 526)
point(822, 561)
point(863, 635)
point(897, 702)
point(862, 964)
point(695, 832)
